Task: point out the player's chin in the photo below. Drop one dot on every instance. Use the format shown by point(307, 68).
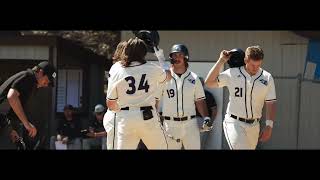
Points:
point(255, 71)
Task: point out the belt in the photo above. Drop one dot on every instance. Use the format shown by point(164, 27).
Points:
point(250, 121)
point(141, 108)
point(178, 119)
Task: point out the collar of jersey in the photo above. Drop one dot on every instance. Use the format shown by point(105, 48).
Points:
point(182, 76)
point(135, 63)
point(248, 75)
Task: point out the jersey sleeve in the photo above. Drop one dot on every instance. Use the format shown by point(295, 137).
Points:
point(113, 69)
point(20, 84)
point(224, 78)
point(199, 92)
point(160, 74)
point(271, 94)
point(112, 89)
point(159, 91)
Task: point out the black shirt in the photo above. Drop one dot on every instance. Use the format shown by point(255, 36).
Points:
point(24, 82)
point(210, 103)
point(71, 129)
point(97, 125)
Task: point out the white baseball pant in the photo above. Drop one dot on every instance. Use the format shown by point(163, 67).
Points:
point(108, 123)
point(182, 133)
point(241, 135)
point(130, 127)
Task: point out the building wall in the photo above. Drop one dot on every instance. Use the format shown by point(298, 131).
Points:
point(284, 51)
point(24, 52)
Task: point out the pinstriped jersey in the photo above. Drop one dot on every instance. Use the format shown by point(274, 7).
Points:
point(247, 93)
point(180, 93)
point(135, 85)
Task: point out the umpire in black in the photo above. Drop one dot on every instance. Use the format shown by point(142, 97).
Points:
point(17, 90)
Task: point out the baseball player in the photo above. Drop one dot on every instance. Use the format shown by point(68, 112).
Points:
point(180, 97)
point(109, 116)
point(249, 87)
point(131, 95)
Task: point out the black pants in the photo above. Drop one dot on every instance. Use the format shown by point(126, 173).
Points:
point(31, 143)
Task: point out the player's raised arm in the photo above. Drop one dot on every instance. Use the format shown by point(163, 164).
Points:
point(211, 80)
point(165, 66)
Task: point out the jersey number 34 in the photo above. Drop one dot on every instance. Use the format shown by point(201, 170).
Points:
point(143, 85)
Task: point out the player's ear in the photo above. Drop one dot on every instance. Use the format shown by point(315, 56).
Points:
point(41, 73)
point(246, 60)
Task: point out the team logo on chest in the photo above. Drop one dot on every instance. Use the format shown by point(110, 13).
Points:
point(264, 82)
point(192, 81)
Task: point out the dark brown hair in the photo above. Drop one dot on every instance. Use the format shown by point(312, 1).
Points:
point(135, 50)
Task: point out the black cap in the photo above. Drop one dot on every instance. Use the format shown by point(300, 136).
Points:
point(68, 106)
point(48, 70)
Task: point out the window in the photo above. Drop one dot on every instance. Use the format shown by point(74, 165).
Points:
point(69, 88)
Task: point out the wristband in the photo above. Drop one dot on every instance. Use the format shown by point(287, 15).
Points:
point(269, 123)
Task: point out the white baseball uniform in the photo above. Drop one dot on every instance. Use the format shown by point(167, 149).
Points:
point(246, 100)
point(108, 124)
point(109, 116)
point(134, 87)
point(178, 101)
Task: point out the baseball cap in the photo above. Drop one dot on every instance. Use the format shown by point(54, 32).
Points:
point(68, 106)
point(48, 70)
point(99, 108)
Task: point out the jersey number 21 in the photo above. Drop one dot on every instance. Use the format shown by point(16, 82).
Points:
point(238, 92)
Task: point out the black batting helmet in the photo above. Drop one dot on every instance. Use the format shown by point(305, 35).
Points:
point(151, 38)
point(237, 58)
point(179, 48)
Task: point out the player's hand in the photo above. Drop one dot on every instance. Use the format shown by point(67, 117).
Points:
point(225, 56)
point(265, 134)
point(59, 137)
point(90, 134)
point(207, 125)
point(65, 140)
point(14, 136)
point(31, 129)
point(159, 54)
point(91, 130)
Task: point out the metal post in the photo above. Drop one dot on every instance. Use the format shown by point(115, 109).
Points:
point(299, 76)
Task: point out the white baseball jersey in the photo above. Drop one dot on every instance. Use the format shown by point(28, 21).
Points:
point(134, 86)
point(247, 93)
point(180, 93)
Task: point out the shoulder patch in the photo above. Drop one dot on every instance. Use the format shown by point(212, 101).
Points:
point(264, 82)
point(192, 81)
